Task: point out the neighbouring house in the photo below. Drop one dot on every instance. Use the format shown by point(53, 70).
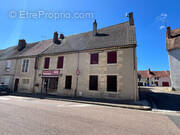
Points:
point(17, 65)
point(26, 65)
point(173, 48)
point(7, 66)
point(154, 78)
point(96, 64)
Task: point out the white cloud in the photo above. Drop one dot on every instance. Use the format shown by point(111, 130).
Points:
point(162, 27)
point(162, 19)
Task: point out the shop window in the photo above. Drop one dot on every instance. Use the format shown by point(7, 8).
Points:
point(112, 83)
point(93, 82)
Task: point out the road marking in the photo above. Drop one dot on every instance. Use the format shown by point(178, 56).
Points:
point(4, 98)
point(166, 112)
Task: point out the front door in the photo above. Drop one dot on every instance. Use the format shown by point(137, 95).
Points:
point(16, 85)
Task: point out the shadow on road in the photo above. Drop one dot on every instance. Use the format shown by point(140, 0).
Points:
point(161, 100)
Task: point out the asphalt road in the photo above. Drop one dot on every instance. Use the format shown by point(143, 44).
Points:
point(29, 116)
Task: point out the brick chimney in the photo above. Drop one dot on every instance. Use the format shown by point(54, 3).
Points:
point(131, 18)
point(149, 71)
point(55, 38)
point(21, 44)
point(61, 36)
point(95, 28)
point(169, 32)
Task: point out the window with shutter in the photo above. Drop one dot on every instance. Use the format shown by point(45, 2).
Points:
point(112, 57)
point(93, 82)
point(46, 62)
point(60, 62)
point(94, 58)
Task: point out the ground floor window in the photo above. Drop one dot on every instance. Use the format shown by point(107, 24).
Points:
point(68, 82)
point(93, 82)
point(112, 83)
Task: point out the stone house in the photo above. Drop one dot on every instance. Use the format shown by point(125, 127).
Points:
point(26, 63)
point(7, 66)
point(154, 78)
point(96, 64)
point(173, 48)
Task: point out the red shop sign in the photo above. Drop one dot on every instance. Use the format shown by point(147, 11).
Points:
point(50, 73)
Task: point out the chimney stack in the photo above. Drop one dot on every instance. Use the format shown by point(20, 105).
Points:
point(95, 28)
point(61, 36)
point(169, 32)
point(131, 18)
point(55, 38)
point(21, 44)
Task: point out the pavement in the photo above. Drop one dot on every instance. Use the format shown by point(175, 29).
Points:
point(33, 116)
point(139, 105)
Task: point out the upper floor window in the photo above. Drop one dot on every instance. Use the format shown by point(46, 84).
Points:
point(112, 57)
point(25, 65)
point(60, 62)
point(46, 62)
point(94, 58)
point(8, 65)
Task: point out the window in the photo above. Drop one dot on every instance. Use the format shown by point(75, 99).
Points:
point(60, 62)
point(8, 65)
point(68, 82)
point(94, 58)
point(112, 83)
point(25, 81)
point(46, 62)
point(25, 65)
point(112, 57)
point(93, 82)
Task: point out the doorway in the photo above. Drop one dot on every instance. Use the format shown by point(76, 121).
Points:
point(16, 85)
point(50, 85)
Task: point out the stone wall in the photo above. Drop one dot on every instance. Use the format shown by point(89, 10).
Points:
point(174, 59)
point(125, 69)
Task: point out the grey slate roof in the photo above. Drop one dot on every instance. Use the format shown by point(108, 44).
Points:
point(32, 49)
point(117, 35)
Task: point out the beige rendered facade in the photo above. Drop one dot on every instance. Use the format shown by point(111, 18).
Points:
point(125, 69)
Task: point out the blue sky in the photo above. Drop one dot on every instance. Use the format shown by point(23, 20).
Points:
point(151, 18)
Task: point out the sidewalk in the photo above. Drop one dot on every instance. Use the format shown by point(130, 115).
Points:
point(140, 105)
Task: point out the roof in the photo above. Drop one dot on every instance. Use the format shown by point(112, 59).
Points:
point(122, 35)
point(174, 41)
point(31, 49)
point(151, 74)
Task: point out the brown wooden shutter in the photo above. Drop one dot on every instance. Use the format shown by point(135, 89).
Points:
point(94, 58)
point(46, 62)
point(112, 57)
point(60, 62)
